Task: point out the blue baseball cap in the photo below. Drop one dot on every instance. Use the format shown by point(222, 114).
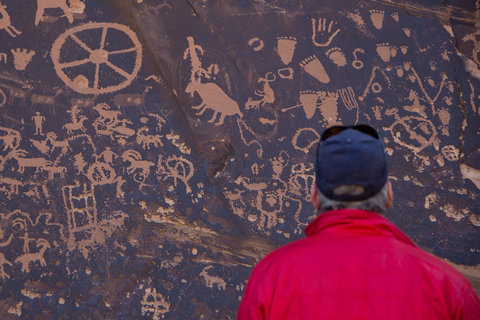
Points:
point(351, 155)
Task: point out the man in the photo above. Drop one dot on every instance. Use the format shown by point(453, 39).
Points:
point(354, 263)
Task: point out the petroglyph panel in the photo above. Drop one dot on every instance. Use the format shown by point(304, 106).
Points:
point(153, 151)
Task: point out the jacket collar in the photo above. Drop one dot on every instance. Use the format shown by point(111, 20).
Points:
point(354, 221)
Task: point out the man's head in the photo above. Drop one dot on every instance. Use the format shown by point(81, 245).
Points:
point(351, 170)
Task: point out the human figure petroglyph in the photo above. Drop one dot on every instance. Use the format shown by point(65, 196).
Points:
point(315, 68)
point(38, 120)
point(177, 168)
point(21, 58)
point(3, 262)
point(286, 48)
point(131, 100)
point(27, 259)
point(52, 4)
point(323, 32)
point(267, 94)
point(5, 22)
point(108, 155)
point(214, 98)
point(197, 71)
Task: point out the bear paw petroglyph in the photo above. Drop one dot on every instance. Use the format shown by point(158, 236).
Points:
point(337, 56)
point(314, 67)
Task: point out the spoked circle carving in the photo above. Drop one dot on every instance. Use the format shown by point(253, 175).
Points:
point(86, 60)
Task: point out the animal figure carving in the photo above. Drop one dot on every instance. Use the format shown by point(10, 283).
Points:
point(46, 100)
point(213, 98)
point(5, 22)
point(48, 4)
point(28, 258)
point(37, 163)
point(78, 125)
point(131, 100)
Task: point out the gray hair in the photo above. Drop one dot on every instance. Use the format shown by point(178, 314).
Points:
point(377, 203)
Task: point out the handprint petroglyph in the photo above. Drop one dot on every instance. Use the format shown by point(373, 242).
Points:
point(324, 32)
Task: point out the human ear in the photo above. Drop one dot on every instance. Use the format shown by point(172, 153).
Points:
point(314, 198)
point(390, 195)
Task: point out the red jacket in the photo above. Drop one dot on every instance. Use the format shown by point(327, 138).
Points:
point(356, 264)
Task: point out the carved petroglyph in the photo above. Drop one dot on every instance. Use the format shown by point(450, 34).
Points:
point(377, 17)
point(148, 9)
point(109, 121)
point(131, 100)
point(177, 168)
point(267, 94)
point(212, 95)
point(31, 257)
point(74, 126)
point(328, 106)
point(3, 262)
point(256, 43)
point(286, 48)
point(414, 133)
point(213, 281)
point(311, 139)
point(215, 99)
point(5, 22)
point(67, 67)
point(337, 56)
point(23, 162)
point(21, 58)
point(315, 68)
point(154, 304)
point(139, 168)
point(323, 32)
point(386, 51)
point(52, 4)
point(48, 100)
point(148, 140)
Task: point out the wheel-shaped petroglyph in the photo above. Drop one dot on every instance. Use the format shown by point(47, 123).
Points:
point(97, 58)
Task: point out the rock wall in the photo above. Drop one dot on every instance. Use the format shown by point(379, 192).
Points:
point(152, 151)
